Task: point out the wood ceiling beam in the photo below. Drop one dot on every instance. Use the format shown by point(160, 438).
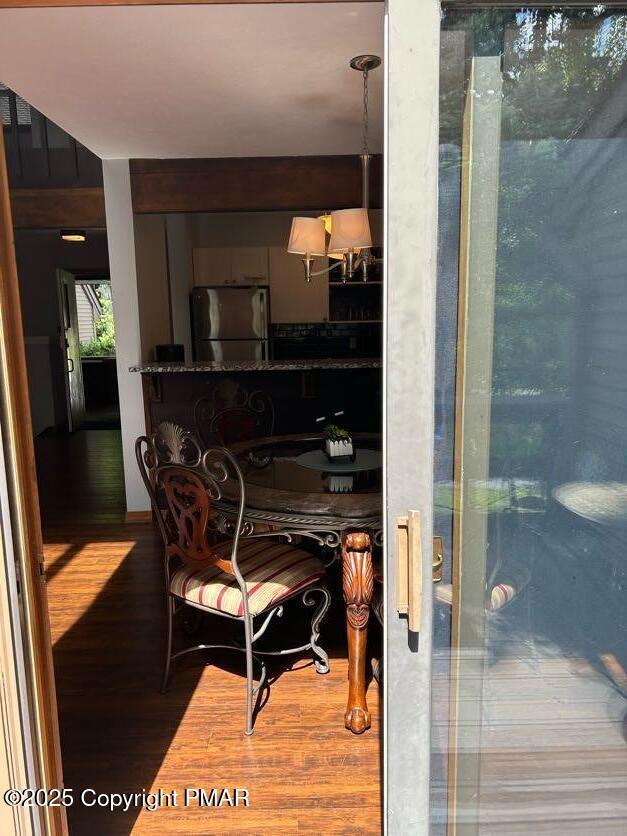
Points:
point(58, 208)
point(247, 184)
point(252, 184)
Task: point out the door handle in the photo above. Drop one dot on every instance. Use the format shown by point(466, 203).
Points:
point(70, 364)
point(409, 559)
point(409, 569)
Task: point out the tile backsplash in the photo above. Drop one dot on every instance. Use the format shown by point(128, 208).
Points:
point(326, 339)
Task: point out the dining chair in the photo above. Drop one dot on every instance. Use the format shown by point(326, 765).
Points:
point(210, 566)
point(230, 414)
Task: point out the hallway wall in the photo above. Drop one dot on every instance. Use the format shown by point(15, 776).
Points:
point(39, 253)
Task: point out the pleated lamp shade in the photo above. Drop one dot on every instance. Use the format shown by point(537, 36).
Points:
point(307, 237)
point(350, 230)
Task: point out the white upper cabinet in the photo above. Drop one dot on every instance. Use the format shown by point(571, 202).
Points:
point(249, 265)
point(230, 265)
point(212, 265)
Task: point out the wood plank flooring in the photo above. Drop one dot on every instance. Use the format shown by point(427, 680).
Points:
point(304, 772)
point(80, 478)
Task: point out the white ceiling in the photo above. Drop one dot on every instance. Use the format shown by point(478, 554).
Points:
point(198, 81)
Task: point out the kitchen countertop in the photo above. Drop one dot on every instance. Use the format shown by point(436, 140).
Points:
point(255, 366)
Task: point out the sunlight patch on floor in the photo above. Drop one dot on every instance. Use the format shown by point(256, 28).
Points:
point(53, 551)
point(77, 593)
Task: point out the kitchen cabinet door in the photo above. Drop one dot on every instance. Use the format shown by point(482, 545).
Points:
point(230, 265)
point(212, 265)
point(292, 299)
point(249, 265)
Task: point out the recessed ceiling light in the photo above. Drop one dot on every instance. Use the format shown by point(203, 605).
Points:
point(73, 236)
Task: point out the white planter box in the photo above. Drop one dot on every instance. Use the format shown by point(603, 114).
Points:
point(339, 449)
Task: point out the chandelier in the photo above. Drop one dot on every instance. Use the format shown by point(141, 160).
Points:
point(349, 240)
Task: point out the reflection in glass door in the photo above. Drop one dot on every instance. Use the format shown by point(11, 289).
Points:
point(529, 706)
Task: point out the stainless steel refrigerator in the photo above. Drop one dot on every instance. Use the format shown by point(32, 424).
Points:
point(230, 322)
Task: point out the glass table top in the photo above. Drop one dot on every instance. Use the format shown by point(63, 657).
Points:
point(301, 466)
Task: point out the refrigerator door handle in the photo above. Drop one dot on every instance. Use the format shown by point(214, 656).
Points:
point(264, 316)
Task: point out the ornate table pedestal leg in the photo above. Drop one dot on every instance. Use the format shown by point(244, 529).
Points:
point(357, 585)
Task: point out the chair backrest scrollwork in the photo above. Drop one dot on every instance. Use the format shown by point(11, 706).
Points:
point(169, 444)
point(189, 502)
point(230, 414)
point(189, 494)
point(176, 445)
point(182, 482)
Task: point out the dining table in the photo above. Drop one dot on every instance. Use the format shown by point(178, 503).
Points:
point(293, 488)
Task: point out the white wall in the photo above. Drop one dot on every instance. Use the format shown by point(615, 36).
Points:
point(123, 270)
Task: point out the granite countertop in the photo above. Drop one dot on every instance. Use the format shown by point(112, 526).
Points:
point(255, 366)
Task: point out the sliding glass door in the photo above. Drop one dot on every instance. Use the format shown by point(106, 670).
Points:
point(526, 644)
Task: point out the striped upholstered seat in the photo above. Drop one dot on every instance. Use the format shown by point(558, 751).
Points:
point(272, 571)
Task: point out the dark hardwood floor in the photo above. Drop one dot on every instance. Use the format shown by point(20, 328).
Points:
point(304, 772)
point(80, 478)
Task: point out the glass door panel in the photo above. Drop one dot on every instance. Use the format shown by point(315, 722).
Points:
point(529, 679)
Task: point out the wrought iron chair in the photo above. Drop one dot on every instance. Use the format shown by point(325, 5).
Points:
point(211, 567)
point(230, 413)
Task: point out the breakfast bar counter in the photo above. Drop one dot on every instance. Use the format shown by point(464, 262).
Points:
point(255, 365)
point(297, 392)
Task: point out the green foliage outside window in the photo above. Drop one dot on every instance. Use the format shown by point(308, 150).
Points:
point(103, 345)
point(559, 72)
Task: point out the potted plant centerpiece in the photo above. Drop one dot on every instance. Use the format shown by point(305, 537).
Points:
point(338, 444)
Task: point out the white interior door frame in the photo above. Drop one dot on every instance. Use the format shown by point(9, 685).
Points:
point(411, 214)
point(69, 341)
